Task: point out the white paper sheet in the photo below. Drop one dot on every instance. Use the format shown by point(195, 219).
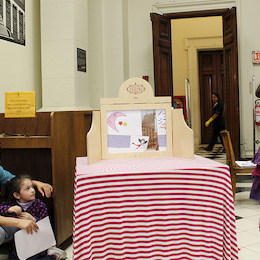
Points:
point(28, 245)
point(245, 164)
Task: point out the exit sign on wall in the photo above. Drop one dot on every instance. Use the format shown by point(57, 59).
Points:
point(256, 57)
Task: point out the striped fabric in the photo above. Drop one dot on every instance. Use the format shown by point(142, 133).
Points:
point(128, 209)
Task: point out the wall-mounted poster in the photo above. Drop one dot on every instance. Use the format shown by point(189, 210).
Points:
point(19, 104)
point(81, 60)
point(12, 21)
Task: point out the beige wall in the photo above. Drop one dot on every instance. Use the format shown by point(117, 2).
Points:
point(64, 28)
point(248, 41)
point(118, 39)
point(20, 66)
point(188, 37)
point(140, 39)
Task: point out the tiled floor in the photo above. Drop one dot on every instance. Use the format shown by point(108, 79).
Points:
point(247, 212)
point(69, 251)
point(247, 226)
point(216, 154)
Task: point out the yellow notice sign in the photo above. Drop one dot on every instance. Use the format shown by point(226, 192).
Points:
point(20, 104)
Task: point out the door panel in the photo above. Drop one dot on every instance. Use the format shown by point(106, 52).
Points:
point(211, 74)
point(231, 77)
point(162, 55)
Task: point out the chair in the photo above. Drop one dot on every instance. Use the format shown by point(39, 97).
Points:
point(233, 167)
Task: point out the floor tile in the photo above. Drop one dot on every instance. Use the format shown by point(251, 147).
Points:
point(254, 231)
point(245, 239)
point(245, 224)
point(255, 218)
point(244, 196)
point(69, 252)
point(255, 248)
point(246, 212)
point(244, 203)
point(246, 254)
point(255, 206)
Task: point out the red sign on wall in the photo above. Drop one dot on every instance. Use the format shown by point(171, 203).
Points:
point(256, 57)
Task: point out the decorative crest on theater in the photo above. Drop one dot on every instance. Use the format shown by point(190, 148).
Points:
point(136, 89)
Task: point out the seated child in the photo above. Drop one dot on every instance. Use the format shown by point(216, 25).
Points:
point(23, 204)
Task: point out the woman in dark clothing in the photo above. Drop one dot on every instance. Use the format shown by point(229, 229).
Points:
point(217, 120)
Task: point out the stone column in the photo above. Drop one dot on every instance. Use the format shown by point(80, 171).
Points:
point(64, 29)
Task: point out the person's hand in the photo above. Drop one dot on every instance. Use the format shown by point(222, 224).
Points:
point(44, 188)
point(28, 225)
point(26, 215)
point(208, 122)
point(15, 209)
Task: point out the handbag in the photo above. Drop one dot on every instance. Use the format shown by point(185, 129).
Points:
point(257, 92)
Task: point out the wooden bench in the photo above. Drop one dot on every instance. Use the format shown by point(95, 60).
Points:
point(45, 147)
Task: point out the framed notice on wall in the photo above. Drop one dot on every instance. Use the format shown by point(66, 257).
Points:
point(81, 60)
point(12, 21)
point(20, 104)
point(256, 57)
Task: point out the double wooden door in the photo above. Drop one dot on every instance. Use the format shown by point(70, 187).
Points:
point(161, 25)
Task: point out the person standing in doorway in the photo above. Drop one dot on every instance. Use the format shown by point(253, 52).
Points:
point(217, 120)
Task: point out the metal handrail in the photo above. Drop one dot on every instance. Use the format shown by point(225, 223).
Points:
point(188, 101)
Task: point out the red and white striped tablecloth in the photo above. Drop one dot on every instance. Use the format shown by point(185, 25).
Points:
point(153, 208)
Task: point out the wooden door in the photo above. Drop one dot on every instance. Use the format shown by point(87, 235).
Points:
point(163, 66)
point(231, 95)
point(162, 55)
point(211, 77)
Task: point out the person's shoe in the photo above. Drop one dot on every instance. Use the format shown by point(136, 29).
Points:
point(208, 149)
point(60, 254)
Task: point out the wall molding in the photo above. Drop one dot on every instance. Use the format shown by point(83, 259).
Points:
point(193, 45)
point(217, 42)
point(188, 5)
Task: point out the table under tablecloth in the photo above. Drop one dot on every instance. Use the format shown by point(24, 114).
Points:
point(153, 208)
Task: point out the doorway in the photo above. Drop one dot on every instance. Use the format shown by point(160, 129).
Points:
point(211, 79)
point(161, 25)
